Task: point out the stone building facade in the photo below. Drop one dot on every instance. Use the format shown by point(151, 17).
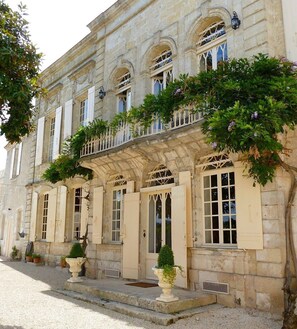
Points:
point(165, 185)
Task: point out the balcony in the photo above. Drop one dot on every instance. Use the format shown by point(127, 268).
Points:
point(128, 132)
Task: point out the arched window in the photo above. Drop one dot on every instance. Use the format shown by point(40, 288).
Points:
point(161, 70)
point(118, 192)
point(219, 203)
point(123, 90)
point(212, 46)
point(161, 175)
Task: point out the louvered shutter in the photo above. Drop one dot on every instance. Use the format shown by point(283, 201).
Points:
point(91, 103)
point(57, 133)
point(97, 215)
point(68, 119)
point(39, 141)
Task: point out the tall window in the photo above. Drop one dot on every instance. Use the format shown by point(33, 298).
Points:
point(44, 216)
point(51, 138)
point(15, 165)
point(161, 71)
point(77, 212)
point(219, 204)
point(124, 92)
point(117, 207)
point(212, 47)
point(83, 113)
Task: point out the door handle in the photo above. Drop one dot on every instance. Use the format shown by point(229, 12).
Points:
point(144, 234)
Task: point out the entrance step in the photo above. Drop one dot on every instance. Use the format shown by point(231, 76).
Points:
point(137, 301)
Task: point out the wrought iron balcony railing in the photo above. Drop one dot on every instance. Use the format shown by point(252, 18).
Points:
point(127, 132)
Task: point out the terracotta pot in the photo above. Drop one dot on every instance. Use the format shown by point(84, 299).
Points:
point(29, 259)
point(36, 260)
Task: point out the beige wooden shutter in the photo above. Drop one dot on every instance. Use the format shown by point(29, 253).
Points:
point(18, 168)
point(68, 119)
point(185, 179)
point(84, 213)
point(57, 132)
point(248, 209)
point(179, 231)
point(91, 103)
point(97, 215)
point(130, 234)
point(61, 215)
point(130, 186)
point(34, 208)
point(39, 141)
point(51, 218)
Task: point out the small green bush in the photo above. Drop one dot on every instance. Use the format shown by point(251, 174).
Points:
point(165, 257)
point(76, 251)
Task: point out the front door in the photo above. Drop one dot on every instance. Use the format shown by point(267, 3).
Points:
point(159, 226)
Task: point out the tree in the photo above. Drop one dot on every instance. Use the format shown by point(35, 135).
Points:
point(19, 68)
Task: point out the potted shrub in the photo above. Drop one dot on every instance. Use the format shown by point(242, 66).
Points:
point(75, 259)
point(36, 258)
point(29, 258)
point(15, 254)
point(63, 263)
point(166, 272)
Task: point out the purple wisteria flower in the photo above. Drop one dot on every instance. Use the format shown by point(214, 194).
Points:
point(231, 125)
point(178, 92)
point(214, 145)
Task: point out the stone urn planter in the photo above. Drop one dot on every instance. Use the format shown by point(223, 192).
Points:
point(75, 259)
point(75, 267)
point(166, 284)
point(166, 272)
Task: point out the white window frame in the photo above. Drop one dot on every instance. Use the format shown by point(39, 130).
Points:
point(217, 39)
point(117, 212)
point(124, 93)
point(15, 164)
point(162, 70)
point(77, 204)
point(83, 112)
point(218, 173)
point(45, 209)
point(52, 124)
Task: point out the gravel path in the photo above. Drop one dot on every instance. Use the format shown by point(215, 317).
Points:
point(28, 302)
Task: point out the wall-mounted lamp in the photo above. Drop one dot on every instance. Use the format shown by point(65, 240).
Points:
point(101, 92)
point(235, 21)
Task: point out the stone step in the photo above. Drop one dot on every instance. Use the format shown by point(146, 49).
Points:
point(119, 291)
point(137, 312)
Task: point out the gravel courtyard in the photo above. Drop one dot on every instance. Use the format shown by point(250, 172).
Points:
point(27, 301)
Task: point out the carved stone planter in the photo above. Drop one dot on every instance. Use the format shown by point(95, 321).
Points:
point(75, 267)
point(166, 287)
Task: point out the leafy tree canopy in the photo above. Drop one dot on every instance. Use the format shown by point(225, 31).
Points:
point(19, 67)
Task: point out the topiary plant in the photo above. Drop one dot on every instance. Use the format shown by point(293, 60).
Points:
point(166, 262)
point(165, 257)
point(76, 251)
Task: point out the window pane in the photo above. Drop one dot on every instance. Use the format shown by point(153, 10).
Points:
point(231, 178)
point(206, 195)
point(226, 222)
point(207, 208)
point(214, 180)
point(208, 237)
point(232, 192)
point(225, 207)
point(234, 236)
point(215, 208)
point(216, 237)
point(233, 221)
point(224, 178)
point(206, 181)
point(215, 222)
point(227, 237)
point(225, 193)
point(233, 207)
point(214, 194)
point(207, 223)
